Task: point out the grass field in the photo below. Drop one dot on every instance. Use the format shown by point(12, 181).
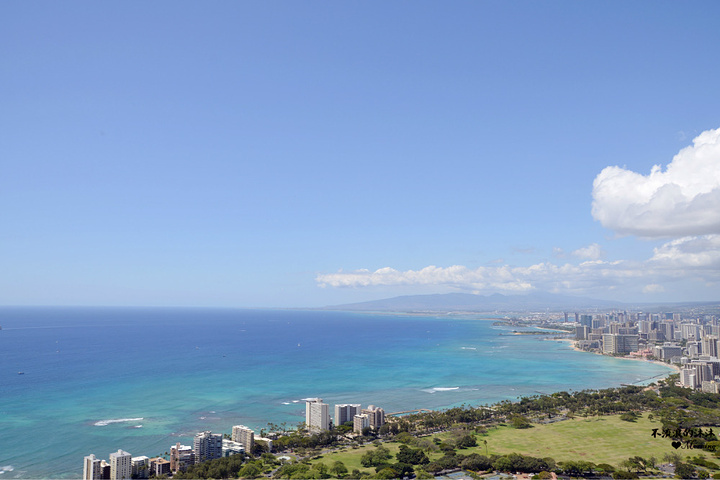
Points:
point(351, 457)
point(605, 439)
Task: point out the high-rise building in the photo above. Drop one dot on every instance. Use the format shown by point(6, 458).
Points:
point(140, 467)
point(710, 345)
point(581, 332)
point(346, 412)
point(91, 468)
point(688, 378)
point(360, 422)
point(667, 351)
point(181, 457)
point(616, 343)
point(317, 414)
point(207, 446)
point(703, 371)
point(244, 435)
point(120, 465)
point(690, 331)
point(376, 415)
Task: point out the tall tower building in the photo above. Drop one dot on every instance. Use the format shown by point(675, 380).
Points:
point(92, 469)
point(346, 412)
point(710, 345)
point(360, 422)
point(376, 415)
point(207, 446)
point(244, 435)
point(120, 465)
point(317, 414)
point(181, 457)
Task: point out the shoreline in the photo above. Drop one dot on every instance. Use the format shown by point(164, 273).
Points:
point(573, 345)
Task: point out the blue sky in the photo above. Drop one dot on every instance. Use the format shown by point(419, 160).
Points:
point(283, 154)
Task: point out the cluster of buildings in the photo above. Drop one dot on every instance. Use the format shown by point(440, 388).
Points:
point(209, 446)
point(206, 446)
point(317, 416)
point(691, 343)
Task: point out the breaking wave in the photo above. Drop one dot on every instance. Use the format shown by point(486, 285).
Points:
point(440, 389)
point(104, 423)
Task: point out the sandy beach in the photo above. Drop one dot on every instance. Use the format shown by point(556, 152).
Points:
point(573, 345)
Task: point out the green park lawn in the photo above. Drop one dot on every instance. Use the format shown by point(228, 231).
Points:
point(605, 439)
point(351, 457)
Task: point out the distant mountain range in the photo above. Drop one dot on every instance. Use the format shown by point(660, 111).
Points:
point(466, 302)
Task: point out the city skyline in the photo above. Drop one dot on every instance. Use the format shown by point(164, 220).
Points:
point(304, 155)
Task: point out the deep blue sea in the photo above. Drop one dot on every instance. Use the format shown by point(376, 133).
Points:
point(98, 379)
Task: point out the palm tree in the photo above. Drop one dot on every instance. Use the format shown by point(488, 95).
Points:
point(486, 451)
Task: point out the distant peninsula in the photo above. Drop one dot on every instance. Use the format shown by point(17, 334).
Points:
point(498, 304)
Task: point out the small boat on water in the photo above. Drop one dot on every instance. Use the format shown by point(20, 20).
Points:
point(21, 373)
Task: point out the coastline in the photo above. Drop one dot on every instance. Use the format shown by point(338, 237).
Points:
point(430, 355)
point(573, 345)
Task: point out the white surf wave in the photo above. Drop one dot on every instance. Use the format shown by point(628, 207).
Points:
point(468, 348)
point(440, 389)
point(104, 423)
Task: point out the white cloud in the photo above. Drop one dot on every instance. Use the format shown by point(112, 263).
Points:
point(689, 252)
point(653, 288)
point(689, 258)
point(541, 276)
point(591, 252)
point(680, 201)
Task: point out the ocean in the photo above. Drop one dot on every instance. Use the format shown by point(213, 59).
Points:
point(76, 381)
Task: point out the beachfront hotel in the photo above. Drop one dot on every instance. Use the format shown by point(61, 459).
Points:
point(140, 466)
point(120, 465)
point(207, 446)
point(360, 422)
point(376, 416)
point(244, 435)
point(346, 412)
point(92, 469)
point(181, 457)
point(317, 414)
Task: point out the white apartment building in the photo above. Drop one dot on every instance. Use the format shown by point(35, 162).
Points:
point(140, 466)
point(120, 465)
point(360, 421)
point(317, 414)
point(244, 435)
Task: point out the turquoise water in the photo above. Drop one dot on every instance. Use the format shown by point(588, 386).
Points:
point(98, 379)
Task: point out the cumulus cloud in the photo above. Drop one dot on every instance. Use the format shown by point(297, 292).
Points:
point(542, 276)
point(457, 275)
point(701, 252)
point(682, 200)
point(591, 252)
point(696, 258)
